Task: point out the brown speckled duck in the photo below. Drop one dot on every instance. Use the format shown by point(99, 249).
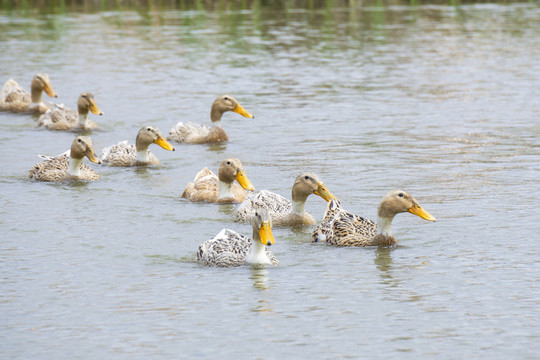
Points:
point(68, 167)
point(15, 99)
point(59, 117)
point(220, 189)
point(341, 228)
point(285, 212)
point(124, 154)
point(229, 248)
point(201, 134)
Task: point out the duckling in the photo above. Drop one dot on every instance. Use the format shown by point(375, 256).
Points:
point(202, 134)
point(67, 167)
point(124, 154)
point(283, 211)
point(220, 189)
point(229, 248)
point(63, 118)
point(341, 228)
point(15, 99)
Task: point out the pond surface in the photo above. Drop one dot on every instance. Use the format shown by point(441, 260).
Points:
point(440, 101)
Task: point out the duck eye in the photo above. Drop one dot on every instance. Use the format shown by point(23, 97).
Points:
point(400, 194)
point(228, 163)
point(306, 177)
point(79, 140)
point(226, 98)
point(149, 129)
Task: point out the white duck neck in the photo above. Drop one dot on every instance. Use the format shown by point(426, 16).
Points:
point(225, 190)
point(74, 166)
point(298, 207)
point(257, 255)
point(384, 226)
point(83, 119)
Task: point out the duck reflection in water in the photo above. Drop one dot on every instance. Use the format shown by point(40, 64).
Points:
point(260, 282)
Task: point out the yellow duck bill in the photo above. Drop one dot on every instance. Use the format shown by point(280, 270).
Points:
point(419, 211)
point(164, 143)
point(240, 110)
point(243, 180)
point(323, 192)
point(265, 232)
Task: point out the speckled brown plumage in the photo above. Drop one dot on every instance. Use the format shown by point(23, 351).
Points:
point(196, 134)
point(228, 249)
point(341, 228)
point(59, 117)
point(55, 169)
point(281, 209)
point(124, 155)
point(200, 134)
point(15, 99)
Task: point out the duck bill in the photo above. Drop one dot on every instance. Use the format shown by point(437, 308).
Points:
point(265, 232)
point(94, 108)
point(91, 156)
point(49, 90)
point(240, 110)
point(419, 211)
point(164, 143)
point(323, 192)
point(243, 180)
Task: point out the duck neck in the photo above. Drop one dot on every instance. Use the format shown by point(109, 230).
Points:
point(142, 150)
point(83, 118)
point(257, 255)
point(35, 93)
point(218, 123)
point(142, 155)
point(225, 190)
point(298, 207)
point(384, 226)
point(74, 168)
point(215, 114)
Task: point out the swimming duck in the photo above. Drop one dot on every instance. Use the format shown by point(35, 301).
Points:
point(220, 189)
point(60, 117)
point(69, 164)
point(283, 211)
point(341, 228)
point(124, 154)
point(15, 99)
point(201, 134)
point(229, 248)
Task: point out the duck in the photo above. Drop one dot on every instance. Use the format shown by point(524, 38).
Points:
point(15, 99)
point(220, 189)
point(124, 154)
point(285, 212)
point(68, 166)
point(341, 228)
point(201, 134)
point(59, 117)
point(229, 248)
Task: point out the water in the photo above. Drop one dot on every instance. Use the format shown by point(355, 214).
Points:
point(437, 100)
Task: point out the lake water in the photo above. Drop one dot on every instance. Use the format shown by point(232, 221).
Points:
point(441, 101)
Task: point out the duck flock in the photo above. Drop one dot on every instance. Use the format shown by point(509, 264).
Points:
point(263, 209)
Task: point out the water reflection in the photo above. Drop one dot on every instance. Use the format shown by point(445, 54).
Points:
point(219, 147)
point(258, 275)
point(259, 278)
point(383, 261)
